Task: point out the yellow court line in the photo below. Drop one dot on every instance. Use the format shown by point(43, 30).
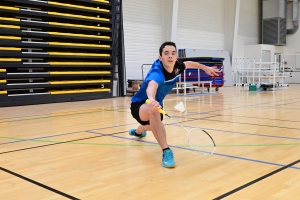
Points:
point(9, 26)
point(78, 25)
point(10, 59)
point(79, 16)
point(79, 63)
point(2, 70)
point(77, 72)
point(9, 8)
point(10, 49)
point(79, 91)
point(79, 35)
point(10, 37)
point(79, 44)
point(76, 54)
point(3, 81)
point(3, 92)
point(77, 6)
point(10, 19)
point(78, 82)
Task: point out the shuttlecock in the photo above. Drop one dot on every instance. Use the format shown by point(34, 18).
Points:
point(180, 107)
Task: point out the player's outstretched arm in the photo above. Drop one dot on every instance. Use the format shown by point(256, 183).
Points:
point(212, 71)
point(151, 93)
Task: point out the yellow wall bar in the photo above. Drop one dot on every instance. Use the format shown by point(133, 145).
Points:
point(77, 72)
point(76, 54)
point(79, 44)
point(10, 38)
point(79, 35)
point(9, 26)
point(9, 19)
point(79, 16)
point(10, 59)
point(79, 26)
point(77, 6)
point(10, 49)
point(79, 63)
point(79, 91)
point(9, 8)
point(78, 82)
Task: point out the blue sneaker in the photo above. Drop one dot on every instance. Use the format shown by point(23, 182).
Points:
point(168, 159)
point(133, 133)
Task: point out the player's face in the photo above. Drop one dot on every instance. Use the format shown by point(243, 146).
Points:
point(169, 56)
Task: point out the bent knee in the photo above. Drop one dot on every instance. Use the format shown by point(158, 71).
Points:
point(153, 112)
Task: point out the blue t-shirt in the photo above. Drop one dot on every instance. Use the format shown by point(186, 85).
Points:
point(165, 80)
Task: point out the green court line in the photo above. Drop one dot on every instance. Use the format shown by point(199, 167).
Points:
point(106, 144)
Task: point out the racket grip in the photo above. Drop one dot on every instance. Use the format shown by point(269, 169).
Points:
point(160, 110)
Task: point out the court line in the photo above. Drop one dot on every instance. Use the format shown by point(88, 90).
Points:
point(236, 132)
point(170, 124)
point(256, 180)
point(184, 148)
point(49, 136)
point(231, 122)
point(29, 139)
point(67, 112)
point(35, 147)
point(47, 117)
point(39, 184)
point(218, 115)
point(37, 118)
point(237, 107)
point(105, 144)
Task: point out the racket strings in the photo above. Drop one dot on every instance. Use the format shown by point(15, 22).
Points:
point(189, 141)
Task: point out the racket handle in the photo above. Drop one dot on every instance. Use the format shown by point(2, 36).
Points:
point(160, 110)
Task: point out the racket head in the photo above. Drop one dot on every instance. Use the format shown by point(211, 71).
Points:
point(201, 141)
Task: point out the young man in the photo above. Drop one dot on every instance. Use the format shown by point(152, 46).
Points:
point(159, 81)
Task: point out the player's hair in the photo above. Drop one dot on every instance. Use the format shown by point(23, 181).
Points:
point(166, 44)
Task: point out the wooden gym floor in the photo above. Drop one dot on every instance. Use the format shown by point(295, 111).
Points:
point(82, 150)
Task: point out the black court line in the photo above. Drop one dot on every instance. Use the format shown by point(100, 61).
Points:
point(256, 180)
point(214, 120)
point(190, 149)
point(253, 105)
point(35, 147)
point(39, 184)
point(219, 115)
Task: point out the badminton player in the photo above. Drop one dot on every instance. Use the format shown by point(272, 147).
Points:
point(160, 80)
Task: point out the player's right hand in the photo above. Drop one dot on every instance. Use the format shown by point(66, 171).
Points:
point(154, 104)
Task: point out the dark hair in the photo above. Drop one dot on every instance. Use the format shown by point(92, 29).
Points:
point(166, 44)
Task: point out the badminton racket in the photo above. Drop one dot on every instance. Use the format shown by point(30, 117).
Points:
point(198, 139)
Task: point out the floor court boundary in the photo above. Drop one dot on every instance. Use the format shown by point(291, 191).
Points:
point(170, 124)
point(39, 184)
point(188, 149)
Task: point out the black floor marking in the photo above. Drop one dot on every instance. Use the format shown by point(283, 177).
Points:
point(35, 147)
point(242, 116)
point(250, 124)
point(256, 180)
point(39, 184)
point(189, 120)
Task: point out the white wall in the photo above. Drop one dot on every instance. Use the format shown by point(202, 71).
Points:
point(201, 24)
point(142, 34)
point(249, 25)
point(292, 46)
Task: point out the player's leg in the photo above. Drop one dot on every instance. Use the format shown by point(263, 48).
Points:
point(159, 132)
point(156, 126)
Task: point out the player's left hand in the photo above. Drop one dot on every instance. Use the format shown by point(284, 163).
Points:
point(212, 71)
